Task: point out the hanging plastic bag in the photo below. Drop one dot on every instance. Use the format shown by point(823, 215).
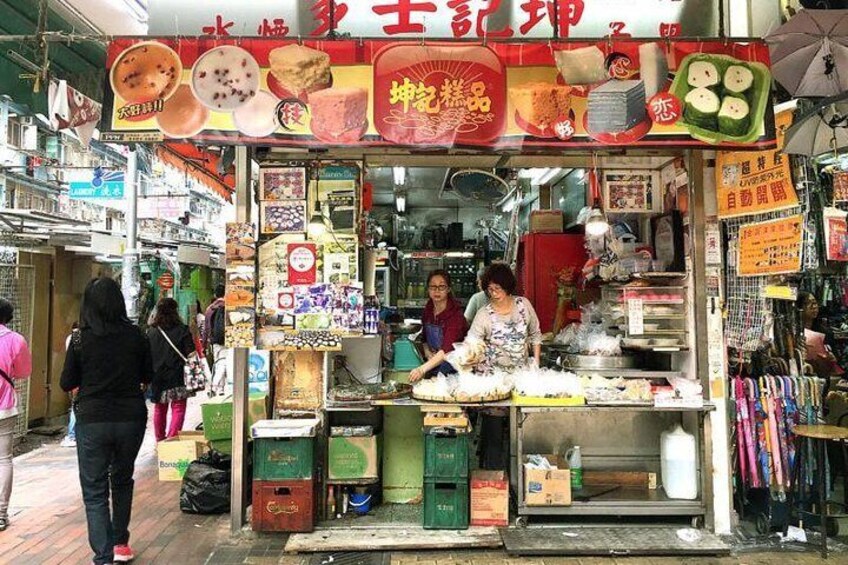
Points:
point(206, 485)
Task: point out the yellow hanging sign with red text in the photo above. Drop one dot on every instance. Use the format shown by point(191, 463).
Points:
point(771, 248)
point(756, 182)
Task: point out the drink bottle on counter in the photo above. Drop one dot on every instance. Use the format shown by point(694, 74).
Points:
point(575, 463)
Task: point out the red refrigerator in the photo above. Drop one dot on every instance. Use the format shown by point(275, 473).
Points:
point(541, 256)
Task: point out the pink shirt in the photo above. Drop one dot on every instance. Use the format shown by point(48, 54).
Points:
point(15, 361)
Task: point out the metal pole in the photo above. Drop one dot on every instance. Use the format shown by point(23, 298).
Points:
point(131, 276)
point(238, 498)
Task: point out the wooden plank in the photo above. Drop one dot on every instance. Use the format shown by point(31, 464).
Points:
point(388, 538)
point(622, 478)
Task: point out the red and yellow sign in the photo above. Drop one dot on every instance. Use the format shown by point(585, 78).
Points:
point(165, 281)
point(836, 234)
point(524, 96)
point(754, 183)
point(771, 248)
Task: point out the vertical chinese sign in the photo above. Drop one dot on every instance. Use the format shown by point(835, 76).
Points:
point(771, 248)
point(754, 183)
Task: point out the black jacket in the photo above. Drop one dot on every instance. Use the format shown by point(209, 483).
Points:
point(108, 369)
point(167, 364)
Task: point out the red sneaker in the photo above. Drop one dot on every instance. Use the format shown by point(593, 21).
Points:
point(123, 554)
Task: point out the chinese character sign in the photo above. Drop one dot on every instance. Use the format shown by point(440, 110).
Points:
point(770, 248)
point(753, 183)
point(270, 91)
point(435, 95)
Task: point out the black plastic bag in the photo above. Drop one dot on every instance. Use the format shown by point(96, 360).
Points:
point(206, 485)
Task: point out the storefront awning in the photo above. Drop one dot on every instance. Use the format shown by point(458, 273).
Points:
point(201, 164)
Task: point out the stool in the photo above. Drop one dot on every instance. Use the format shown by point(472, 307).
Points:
point(820, 435)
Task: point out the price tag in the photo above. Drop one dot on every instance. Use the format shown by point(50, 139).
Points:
point(635, 316)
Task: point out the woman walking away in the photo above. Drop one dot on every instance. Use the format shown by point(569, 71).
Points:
point(15, 363)
point(170, 344)
point(109, 361)
point(70, 440)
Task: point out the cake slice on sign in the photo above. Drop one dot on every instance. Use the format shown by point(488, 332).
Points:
point(539, 106)
point(297, 71)
point(339, 114)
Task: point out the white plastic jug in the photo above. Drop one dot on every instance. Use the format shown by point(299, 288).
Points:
point(679, 456)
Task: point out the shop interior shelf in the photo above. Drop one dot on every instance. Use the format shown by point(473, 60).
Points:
point(623, 501)
point(354, 482)
point(707, 407)
point(626, 373)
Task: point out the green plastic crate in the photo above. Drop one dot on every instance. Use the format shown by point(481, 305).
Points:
point(446, 457)
point(277, 459)
point(445, 505)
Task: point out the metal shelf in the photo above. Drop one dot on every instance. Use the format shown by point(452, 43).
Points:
point(622, 502)
point(708, 407)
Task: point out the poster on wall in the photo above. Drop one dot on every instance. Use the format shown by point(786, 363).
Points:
point(282, 183)
point(756, 182)
point(302, 263)
point(283, 217)
point(836, 234)
point(379, 93)
point(240, 287)
point(770, 248)
point(630, 191)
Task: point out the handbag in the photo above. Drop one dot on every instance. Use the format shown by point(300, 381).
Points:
point(195, 374)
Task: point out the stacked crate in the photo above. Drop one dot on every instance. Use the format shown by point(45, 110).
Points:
point(284, 493)
point(446, 481)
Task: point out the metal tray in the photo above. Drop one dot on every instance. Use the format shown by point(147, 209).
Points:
point(598, 362)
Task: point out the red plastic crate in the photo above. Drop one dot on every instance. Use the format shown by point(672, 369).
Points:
point(283, 506)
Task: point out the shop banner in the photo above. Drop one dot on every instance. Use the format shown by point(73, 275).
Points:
point(529, 96)
point(445, 19)
point(836, 234)
point(755, 183)
point(770, 248)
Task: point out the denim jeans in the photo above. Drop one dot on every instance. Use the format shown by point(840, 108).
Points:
point(106, 453)
point(72, 424)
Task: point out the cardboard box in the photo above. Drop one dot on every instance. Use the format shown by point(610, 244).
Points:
point(354, 458)
point(548, 487)
point(298, 380)
point(176, 453)
point(218, 415)
point(489, 498)
point(546, 221)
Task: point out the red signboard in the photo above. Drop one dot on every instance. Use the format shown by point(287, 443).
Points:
point(303, 260)
point(532, 96)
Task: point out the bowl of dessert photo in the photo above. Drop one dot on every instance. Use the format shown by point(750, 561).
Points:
point(145, 72)
point(182, 114)
point(225, 78)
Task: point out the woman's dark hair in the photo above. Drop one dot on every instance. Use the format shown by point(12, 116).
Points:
point(167, 314)
point(219, 291)
point(439, 273)
point(501, 275)
point(803, 298)
point(103, 309)
point(7, 311)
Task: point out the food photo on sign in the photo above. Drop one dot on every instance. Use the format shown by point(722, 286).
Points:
point(440, 94)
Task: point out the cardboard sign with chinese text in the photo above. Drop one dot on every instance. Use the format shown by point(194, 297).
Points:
point(754, 183)
point(771, 248)
point(257, 91)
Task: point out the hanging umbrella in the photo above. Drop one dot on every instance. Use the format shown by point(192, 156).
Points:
point(819, 130)
point(809, 53)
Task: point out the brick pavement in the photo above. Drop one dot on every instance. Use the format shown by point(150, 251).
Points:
point(48, 526)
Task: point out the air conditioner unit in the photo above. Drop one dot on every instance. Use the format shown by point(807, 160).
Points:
point(26, 120)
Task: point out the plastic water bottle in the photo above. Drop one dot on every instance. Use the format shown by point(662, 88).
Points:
point(575, 463)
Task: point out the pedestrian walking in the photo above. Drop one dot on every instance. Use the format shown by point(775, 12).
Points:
point(214, 338)
point(170, 344)
point(15, 364)
point(70, 439)
point(109, 362)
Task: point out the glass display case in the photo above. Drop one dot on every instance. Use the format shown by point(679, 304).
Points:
point(648, 317)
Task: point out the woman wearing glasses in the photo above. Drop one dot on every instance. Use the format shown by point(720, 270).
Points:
point(508, 325)
point(444, 325)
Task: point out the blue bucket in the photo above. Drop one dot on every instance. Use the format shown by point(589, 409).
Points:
point(361, 503)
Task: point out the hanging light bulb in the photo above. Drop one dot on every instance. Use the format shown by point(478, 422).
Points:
point(399, 174)
point(596, 222)
point(317, 227)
